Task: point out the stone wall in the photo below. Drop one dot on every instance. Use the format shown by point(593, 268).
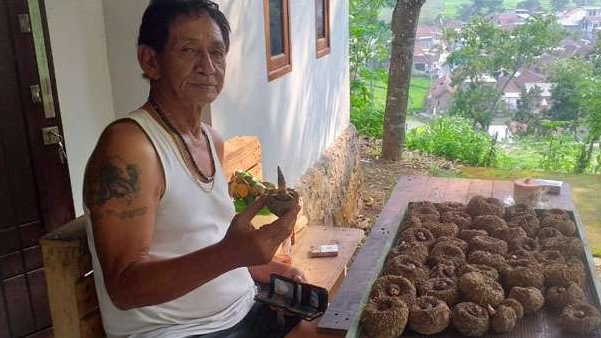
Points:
point(331, 189)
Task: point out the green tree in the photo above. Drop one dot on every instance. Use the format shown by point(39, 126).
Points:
point(368, 49)
point(595, 57)
point(591, 109)
point(559, 5)
point(576, 99)
point(369, 36)
point(404, 25)
point(472, 102)
point(480, 8)
point(531, 5)
point(488, 50)
point(527, 105)
point(569, 77)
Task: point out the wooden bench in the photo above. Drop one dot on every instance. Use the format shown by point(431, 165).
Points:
point(69, 276)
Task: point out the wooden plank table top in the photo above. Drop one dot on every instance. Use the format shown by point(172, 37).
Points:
point(341, 314)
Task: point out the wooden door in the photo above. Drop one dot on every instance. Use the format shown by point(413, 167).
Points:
point(35, 193)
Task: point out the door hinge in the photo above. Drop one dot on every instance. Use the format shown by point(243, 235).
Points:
point(24, 23)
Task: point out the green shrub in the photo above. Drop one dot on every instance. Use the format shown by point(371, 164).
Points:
point(365, 115)
point(554, 152)
point(454, 138)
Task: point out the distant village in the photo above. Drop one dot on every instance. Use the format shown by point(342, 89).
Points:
point(431, 51)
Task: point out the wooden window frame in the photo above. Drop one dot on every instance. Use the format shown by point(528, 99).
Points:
point(323, 44)
point(278, 65)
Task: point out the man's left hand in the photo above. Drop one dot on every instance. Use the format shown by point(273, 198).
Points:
point(294, 273)
point(261, 273)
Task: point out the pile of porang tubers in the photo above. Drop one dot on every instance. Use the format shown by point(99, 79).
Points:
point(479, 268)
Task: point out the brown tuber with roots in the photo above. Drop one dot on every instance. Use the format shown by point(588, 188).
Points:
point(470, 319)
point(460, 218)
point(518, 210)
point(528, 222)
point(524, 243)
point(531, 298)
point(509, 234)
point(481, 268)
point(515, 305)
point(481, 289)
point(425, 211)
point(487, 258)
point(461, 244)
point(446, 253)
point(407, 267)
point(418, 235)
point(580, 318)
point(489, 244)
point(548, 232)
point(479, 205)
point(429, 315)
point(450, 206)
point(558, 296)
point(503, 319)
point(415, 250)
point(562, 274)
point(468, 234)
point(443, 270)
point(385, 317)
point(282, 198)
point(549, 257)
point(490, 223)
point(522, 273)
point(394, 286)
point(444, 289)
point(439, 229)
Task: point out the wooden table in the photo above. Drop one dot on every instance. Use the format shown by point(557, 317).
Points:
point(341, 314)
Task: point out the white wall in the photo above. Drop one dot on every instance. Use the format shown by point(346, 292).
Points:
point(296, 116)
point(122, 22)
point(82, 78)
point(299, 114)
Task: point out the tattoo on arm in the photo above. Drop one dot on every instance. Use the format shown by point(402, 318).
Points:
point(123, 215)
point(116, 179)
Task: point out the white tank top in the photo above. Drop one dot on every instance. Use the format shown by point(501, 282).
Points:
point(188, 219)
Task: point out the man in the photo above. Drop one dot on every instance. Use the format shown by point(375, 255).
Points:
point(171, 258)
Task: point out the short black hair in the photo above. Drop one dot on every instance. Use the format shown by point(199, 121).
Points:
point(160, 14)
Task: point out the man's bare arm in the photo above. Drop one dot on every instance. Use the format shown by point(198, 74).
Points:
point(122, 189)
point(123, 185)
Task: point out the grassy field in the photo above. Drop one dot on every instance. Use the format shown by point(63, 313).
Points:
point(585, 191)
point(450, 8)
point(418, 92)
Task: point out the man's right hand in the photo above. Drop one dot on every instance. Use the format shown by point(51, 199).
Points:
point(257, 247)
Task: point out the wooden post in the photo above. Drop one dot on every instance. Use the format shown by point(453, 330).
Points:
point(71, 292)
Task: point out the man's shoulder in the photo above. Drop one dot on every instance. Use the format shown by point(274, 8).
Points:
point(124, 137)
point(124, 130)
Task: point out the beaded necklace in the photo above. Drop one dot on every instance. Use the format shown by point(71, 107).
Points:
point(205, 179)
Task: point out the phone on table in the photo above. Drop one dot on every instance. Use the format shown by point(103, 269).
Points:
point(306, 300)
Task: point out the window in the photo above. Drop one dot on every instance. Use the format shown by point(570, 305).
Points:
point(322, 27)
point(277, 38)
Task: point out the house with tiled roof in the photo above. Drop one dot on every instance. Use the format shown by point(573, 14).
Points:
point(525, 80)
point(440, 96)
point(427, 35)
point(511, 92)
point(452, 24)
point(571, 19)
point(510, 20)
point(591, 25)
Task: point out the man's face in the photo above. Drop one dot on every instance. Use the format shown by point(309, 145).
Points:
point(192, 65)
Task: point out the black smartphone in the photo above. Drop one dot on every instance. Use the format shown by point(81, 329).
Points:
point(306, 300)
